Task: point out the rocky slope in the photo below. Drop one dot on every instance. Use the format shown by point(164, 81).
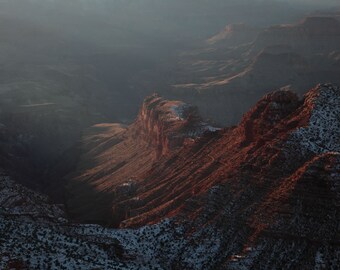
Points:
point(254, 194)
point(35, 234)
point(263, 194)
point(115, 158)
point(267, 136)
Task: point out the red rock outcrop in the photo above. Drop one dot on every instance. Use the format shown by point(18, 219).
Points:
point(147, 176)
point(114, 158)
point(274, 197)
point(277, 137)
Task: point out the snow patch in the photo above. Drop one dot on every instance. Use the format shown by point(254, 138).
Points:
point(323, 132)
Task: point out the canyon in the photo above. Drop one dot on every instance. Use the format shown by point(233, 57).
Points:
point(212, 199)
point(169, 135)
point(233, 72)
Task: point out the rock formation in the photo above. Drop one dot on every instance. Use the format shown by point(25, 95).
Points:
point(115, 158)
point(263, 194)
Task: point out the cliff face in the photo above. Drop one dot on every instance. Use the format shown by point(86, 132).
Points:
point(313, 34)
point(267, 113)
point(165, 125)
point(233, 35)
point(301, 55)
point(115, 158)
